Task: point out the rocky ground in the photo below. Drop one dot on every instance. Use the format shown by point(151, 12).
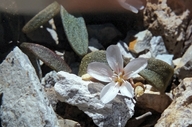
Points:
point(44, 59)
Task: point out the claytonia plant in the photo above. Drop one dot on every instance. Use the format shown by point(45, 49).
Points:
point(116, 75)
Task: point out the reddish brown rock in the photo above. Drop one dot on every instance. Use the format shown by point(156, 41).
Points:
point(179, 113)
point(168, 18)
point(153, 100)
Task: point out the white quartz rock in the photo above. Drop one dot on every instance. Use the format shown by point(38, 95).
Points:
point(24, 102)
point(157, 46)
point(141, 43)
point(184, 65)
point(83, 94)
point(146, 55)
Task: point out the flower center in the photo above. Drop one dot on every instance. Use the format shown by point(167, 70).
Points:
point(119, 78)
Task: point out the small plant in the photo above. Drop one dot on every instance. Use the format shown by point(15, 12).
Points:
point(118, 76)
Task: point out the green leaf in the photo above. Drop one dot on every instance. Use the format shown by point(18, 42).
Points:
point(97, 56)
point(76, 32)
point(158, 73)
point(42, 17)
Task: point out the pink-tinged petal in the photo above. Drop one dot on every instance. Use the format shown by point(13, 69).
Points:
point(132, 5)
point(135, 3)
point(109, 92)
point(114, 58)
point(100, 71)
point(134, 67)
point(127, 90)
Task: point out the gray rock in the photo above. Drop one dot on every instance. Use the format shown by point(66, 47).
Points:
point(106, 34)
point(157, 46)
point(48, 82)
point(94, 45)
point(179, 113)
point(73, 90)
point(50, 92)
point(49, 79)
point(24, 102)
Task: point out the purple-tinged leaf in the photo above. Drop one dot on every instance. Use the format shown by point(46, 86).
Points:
point(47, 56)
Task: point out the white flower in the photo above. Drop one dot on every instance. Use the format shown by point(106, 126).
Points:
point(118, 77)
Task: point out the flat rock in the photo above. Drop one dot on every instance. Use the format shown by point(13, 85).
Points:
point(24, 102)
point(85, 95)
point(179, 113)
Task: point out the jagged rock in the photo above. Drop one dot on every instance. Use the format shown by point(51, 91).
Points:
point(188, 37)
point(48, 81)
point(24, 102)
point(179, 113)
point(85, 95)
point(184, 66)
point(157, 46)
point(141, 43)
point(169, 19)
